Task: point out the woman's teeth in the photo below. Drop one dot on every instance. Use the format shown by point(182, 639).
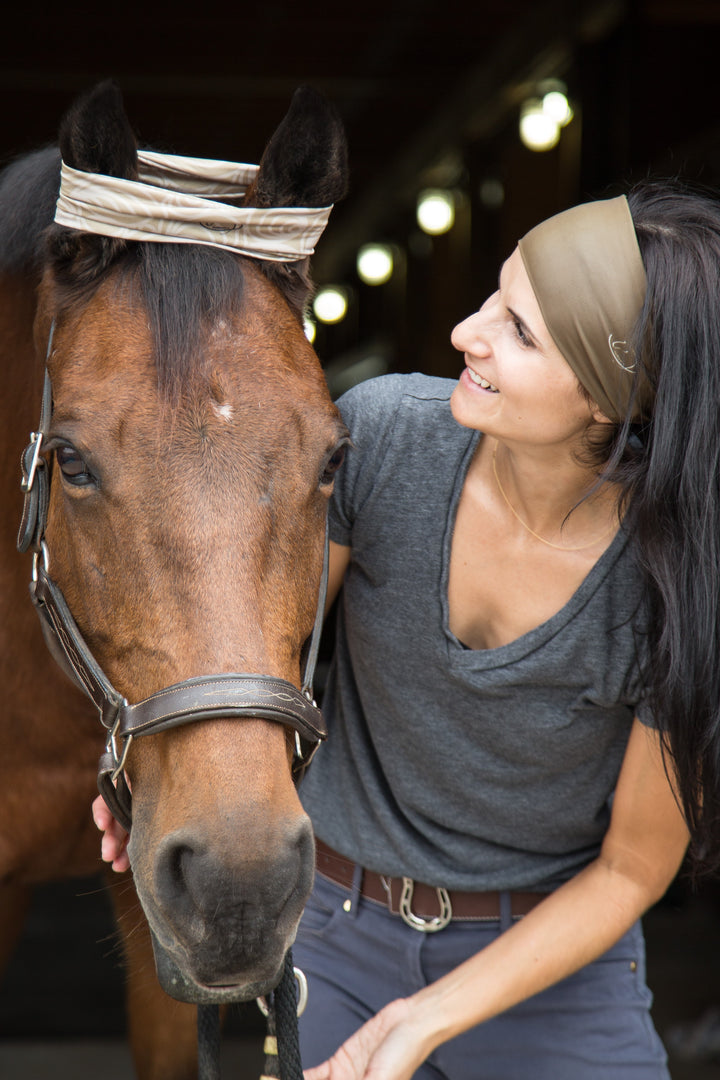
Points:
point(479, 381)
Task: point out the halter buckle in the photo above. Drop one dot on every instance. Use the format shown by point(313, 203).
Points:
point(417, 922)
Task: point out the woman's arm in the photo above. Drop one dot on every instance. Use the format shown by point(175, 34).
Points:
point(641, 854)
point(338, 564)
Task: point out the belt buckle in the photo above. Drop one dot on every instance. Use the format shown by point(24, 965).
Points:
point(425, 926)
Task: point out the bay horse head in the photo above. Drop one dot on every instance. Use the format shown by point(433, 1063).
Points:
point(193, 444)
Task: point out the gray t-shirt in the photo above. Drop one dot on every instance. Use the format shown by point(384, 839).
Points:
point(488, 769)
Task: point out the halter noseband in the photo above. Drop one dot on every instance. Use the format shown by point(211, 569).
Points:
point(233, 695)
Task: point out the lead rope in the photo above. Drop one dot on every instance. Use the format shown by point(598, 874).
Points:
point(208, 1031)
point(286, 1019)
point(282, 1044)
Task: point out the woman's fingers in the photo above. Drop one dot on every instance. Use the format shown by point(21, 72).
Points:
point(113, 846)
point(382, 1049)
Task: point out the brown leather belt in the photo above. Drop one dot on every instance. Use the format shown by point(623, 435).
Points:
point(424, 907)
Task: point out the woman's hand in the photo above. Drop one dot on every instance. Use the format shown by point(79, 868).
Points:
point(388, 1047)
point(113, 847)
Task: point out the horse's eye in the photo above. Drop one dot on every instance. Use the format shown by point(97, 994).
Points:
point(73, 467)
point(332, 465)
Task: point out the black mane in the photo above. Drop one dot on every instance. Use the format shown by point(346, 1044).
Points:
point(28, 193)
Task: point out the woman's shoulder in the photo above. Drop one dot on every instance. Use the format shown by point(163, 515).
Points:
point(393, 420)
point(393, 388)
point(381, 398)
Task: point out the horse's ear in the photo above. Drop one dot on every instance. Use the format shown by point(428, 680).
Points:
point(95, 136)
point(304, 164)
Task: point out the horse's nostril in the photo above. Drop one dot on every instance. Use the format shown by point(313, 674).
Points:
point(194, 879)
point(179, 863)
point(178, 874)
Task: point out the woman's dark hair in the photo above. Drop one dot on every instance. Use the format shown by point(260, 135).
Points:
point(669, 471)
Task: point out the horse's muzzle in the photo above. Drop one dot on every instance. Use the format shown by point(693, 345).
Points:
point(223, 920)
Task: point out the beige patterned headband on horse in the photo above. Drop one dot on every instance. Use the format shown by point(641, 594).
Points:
point(175, 201)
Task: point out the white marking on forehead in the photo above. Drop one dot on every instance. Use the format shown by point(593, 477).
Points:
point(223, 412)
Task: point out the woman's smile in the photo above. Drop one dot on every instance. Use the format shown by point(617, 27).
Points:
point(480, 380)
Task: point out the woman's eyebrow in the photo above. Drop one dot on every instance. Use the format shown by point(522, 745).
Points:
point(523, 324)
point(518, 318)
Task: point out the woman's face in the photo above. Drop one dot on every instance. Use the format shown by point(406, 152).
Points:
point(516, 385)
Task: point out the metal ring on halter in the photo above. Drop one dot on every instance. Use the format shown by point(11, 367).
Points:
point(45, 560)
point(111, 747)
point(302, 994)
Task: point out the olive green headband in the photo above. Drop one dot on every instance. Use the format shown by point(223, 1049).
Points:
point(587, 274)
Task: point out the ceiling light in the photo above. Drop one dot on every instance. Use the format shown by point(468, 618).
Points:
point(538, 130)
point(556, 105)
point(330, 304)
point(435, 211)
point(375, 263)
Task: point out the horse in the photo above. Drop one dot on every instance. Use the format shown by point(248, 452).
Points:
point(189, 454)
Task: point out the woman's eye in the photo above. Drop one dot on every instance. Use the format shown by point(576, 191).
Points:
point(73, 467)
point(520, 332)
point(332, 465)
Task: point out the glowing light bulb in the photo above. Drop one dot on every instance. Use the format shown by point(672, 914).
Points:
point(435, 211)
point(375, 264)
point(310, 329)
point(538, 130)
point(330, 305)
point(556, 105)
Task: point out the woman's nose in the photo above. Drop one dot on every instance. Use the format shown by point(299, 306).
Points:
point(468, 335)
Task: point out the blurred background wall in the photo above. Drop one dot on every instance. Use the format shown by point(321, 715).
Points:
point(431, 92)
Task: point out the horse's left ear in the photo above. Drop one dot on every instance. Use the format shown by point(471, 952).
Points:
point(304, 164)
point(96, 137)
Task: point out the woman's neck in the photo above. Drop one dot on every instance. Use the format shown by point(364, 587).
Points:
point(549, 495)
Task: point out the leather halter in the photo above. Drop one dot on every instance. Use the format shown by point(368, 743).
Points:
point(231, 695)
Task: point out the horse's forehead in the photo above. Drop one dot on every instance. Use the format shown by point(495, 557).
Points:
point(256, 369)
point(104, 335)
point(111, 338)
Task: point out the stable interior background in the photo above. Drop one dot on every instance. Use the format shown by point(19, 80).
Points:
point(431, 94)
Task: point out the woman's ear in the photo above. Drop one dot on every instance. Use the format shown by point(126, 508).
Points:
point(598, 416)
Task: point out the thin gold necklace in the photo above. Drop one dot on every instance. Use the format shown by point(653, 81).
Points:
point(558, 547)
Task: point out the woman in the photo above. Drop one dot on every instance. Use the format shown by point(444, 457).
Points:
point(529, 560)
